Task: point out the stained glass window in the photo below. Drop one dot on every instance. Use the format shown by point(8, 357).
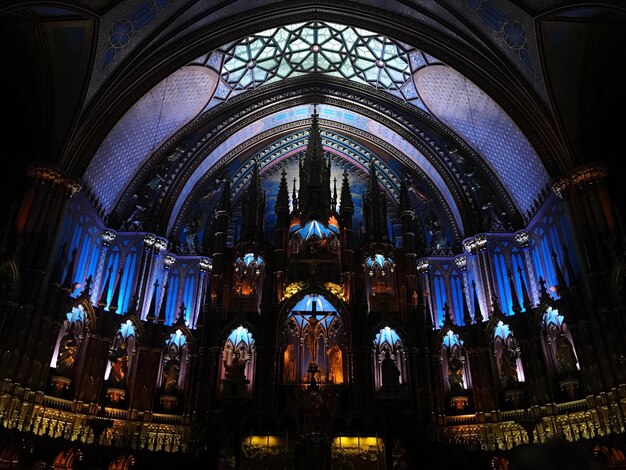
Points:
point(315, 47)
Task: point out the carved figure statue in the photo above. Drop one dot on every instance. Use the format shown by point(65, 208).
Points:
point(67, 352)
point(171, 373)
point(236, 371)
point(565, 355)
point(455, 372)
point(227, 355)
point(335, 364)
point(312, 334)
point(438, 239)
point(390, 375)
point(508, 367)
point(135, 220)
point(191, 230)
point(119, 364)
point(398, 456)
point(289, 365)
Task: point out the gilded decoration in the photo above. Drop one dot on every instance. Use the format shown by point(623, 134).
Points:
point(586, 176)
point(43, 173)
point(293, 288)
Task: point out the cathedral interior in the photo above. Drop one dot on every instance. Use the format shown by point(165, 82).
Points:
point(312, 235)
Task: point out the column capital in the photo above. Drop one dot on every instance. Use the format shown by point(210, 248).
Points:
point(581, 177)
point(42, 173)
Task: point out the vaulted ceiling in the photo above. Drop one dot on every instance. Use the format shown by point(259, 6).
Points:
point(475, 105)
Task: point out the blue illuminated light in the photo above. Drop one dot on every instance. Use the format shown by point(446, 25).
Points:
point(452, 339)
point(178, 338)
point(501, 330)
point(321, 304)
point(127, 329)
point(552, 317)
point(387, 335)
point(241, 335)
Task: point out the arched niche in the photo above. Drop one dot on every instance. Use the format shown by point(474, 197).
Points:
point(315, 238)
point(508, 361)
point(379, 273)
point(248, 274)
point(173, 368)
point(67, 347)
point(120, 361)
point(69, 339)
point(455, 370)
point(560, 344)
point(121, 354)
point(313, 342)
point(238, 363)
point(387, 346)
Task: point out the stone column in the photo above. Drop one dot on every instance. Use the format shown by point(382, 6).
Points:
point(38, 223)
point(596, 231)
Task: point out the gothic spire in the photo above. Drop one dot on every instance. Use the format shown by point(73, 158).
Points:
point(346, 195)
point(224, 202)
point(294, 197)
point(314, 198)
point(60, 265)
point(525, 297)
point(151, 316)
point(314, 146)
point(569, 267)
point(181, 315)
point(447, 317)
point(87, 290)
point(67, 283)
point(253, 216)
point(334, 199)
point(478, 316)
point(162, 310)
point(405, 201)
point(282, 199)
point(467, 318)
point(375, 209)
point(517, 308)
point(117, 293)
point(560, 279)
point(105, 290)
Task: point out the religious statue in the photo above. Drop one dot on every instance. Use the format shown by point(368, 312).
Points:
point(390, 375)
point(508, 367)
point(438, 239)
point(135, 220)
point(398, 456)
point(171, 373)
point(289, 365)
point(565, 356)
point(191, 229)
point(455, 372)
point(312, 333)
point(236, 371)
point(119, 364)
point(335, 364)
point(67, 352)
point(227, 355)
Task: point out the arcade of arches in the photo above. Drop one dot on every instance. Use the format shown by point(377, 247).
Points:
point(303, 235)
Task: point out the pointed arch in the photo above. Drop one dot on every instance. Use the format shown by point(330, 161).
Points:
point(174, 362)
point(238, 360)
point(388, 345)
point(313, 332)
point(454, 365)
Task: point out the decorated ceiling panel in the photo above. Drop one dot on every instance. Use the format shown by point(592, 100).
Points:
point(149, 123)
point(332, 113)
point(478, 119)
point(328, 51)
